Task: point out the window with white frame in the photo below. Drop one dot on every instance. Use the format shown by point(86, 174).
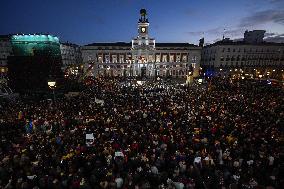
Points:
point(194, 58)
point(158, 58)
point(171, 58)
point(100, 59)
point(178, 58)
point(121, 58)
point(165, 58)
point(114, 58)
point(107, 59)
point(150, 58)
point(184, 58)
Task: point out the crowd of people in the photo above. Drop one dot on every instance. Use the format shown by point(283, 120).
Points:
point(117, 134)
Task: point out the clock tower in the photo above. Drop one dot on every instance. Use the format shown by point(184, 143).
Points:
point(143, 48)
point(143, 42)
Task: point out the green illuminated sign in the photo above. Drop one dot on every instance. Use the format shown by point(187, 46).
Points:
point(28, 45)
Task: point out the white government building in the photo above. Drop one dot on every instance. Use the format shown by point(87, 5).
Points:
point(142, 57)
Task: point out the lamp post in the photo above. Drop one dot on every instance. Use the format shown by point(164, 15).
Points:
point(108, 68)
point(155, 71)
point(128, 66)
point(52, 86)
point(189, 78)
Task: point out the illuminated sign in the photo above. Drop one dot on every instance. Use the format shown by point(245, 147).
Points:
point(28, 45)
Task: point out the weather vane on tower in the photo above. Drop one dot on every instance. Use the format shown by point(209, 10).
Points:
point(143, 14)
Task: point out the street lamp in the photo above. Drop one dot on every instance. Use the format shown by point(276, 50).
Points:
point(108, 68)
point(123, 71)
point(155, 71)
point(52, 86)
point(128, 66)
point(189, 78)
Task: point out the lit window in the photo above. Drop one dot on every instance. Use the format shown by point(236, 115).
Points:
point(158, 58)
point(171, 58)
point(178, 58)
point(165, 58)
point(184, 58)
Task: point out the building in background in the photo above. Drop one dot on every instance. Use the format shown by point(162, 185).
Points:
point(44, 48)
point(5, 51)
point(142, 57)
point(251, 57)
point(29, 45)
point(71, 58)
point(254, 37)
point(36, 58)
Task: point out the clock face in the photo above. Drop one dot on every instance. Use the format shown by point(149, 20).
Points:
point(143, 29)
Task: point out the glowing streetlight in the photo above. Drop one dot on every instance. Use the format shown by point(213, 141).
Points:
point(52, 86)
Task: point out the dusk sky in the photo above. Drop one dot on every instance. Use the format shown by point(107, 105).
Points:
point(87, 21)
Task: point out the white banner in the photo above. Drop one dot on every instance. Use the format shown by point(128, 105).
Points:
point(117, 154)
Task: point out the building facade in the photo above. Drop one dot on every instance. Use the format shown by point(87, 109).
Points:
point(255, 59)
point(6, 50)
point(71, 54)
point(24, 45)
point(71, 58)
point(254, 37)
point(33, 44)
point(142, 56)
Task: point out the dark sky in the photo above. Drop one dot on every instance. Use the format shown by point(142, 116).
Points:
point(87, 21)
